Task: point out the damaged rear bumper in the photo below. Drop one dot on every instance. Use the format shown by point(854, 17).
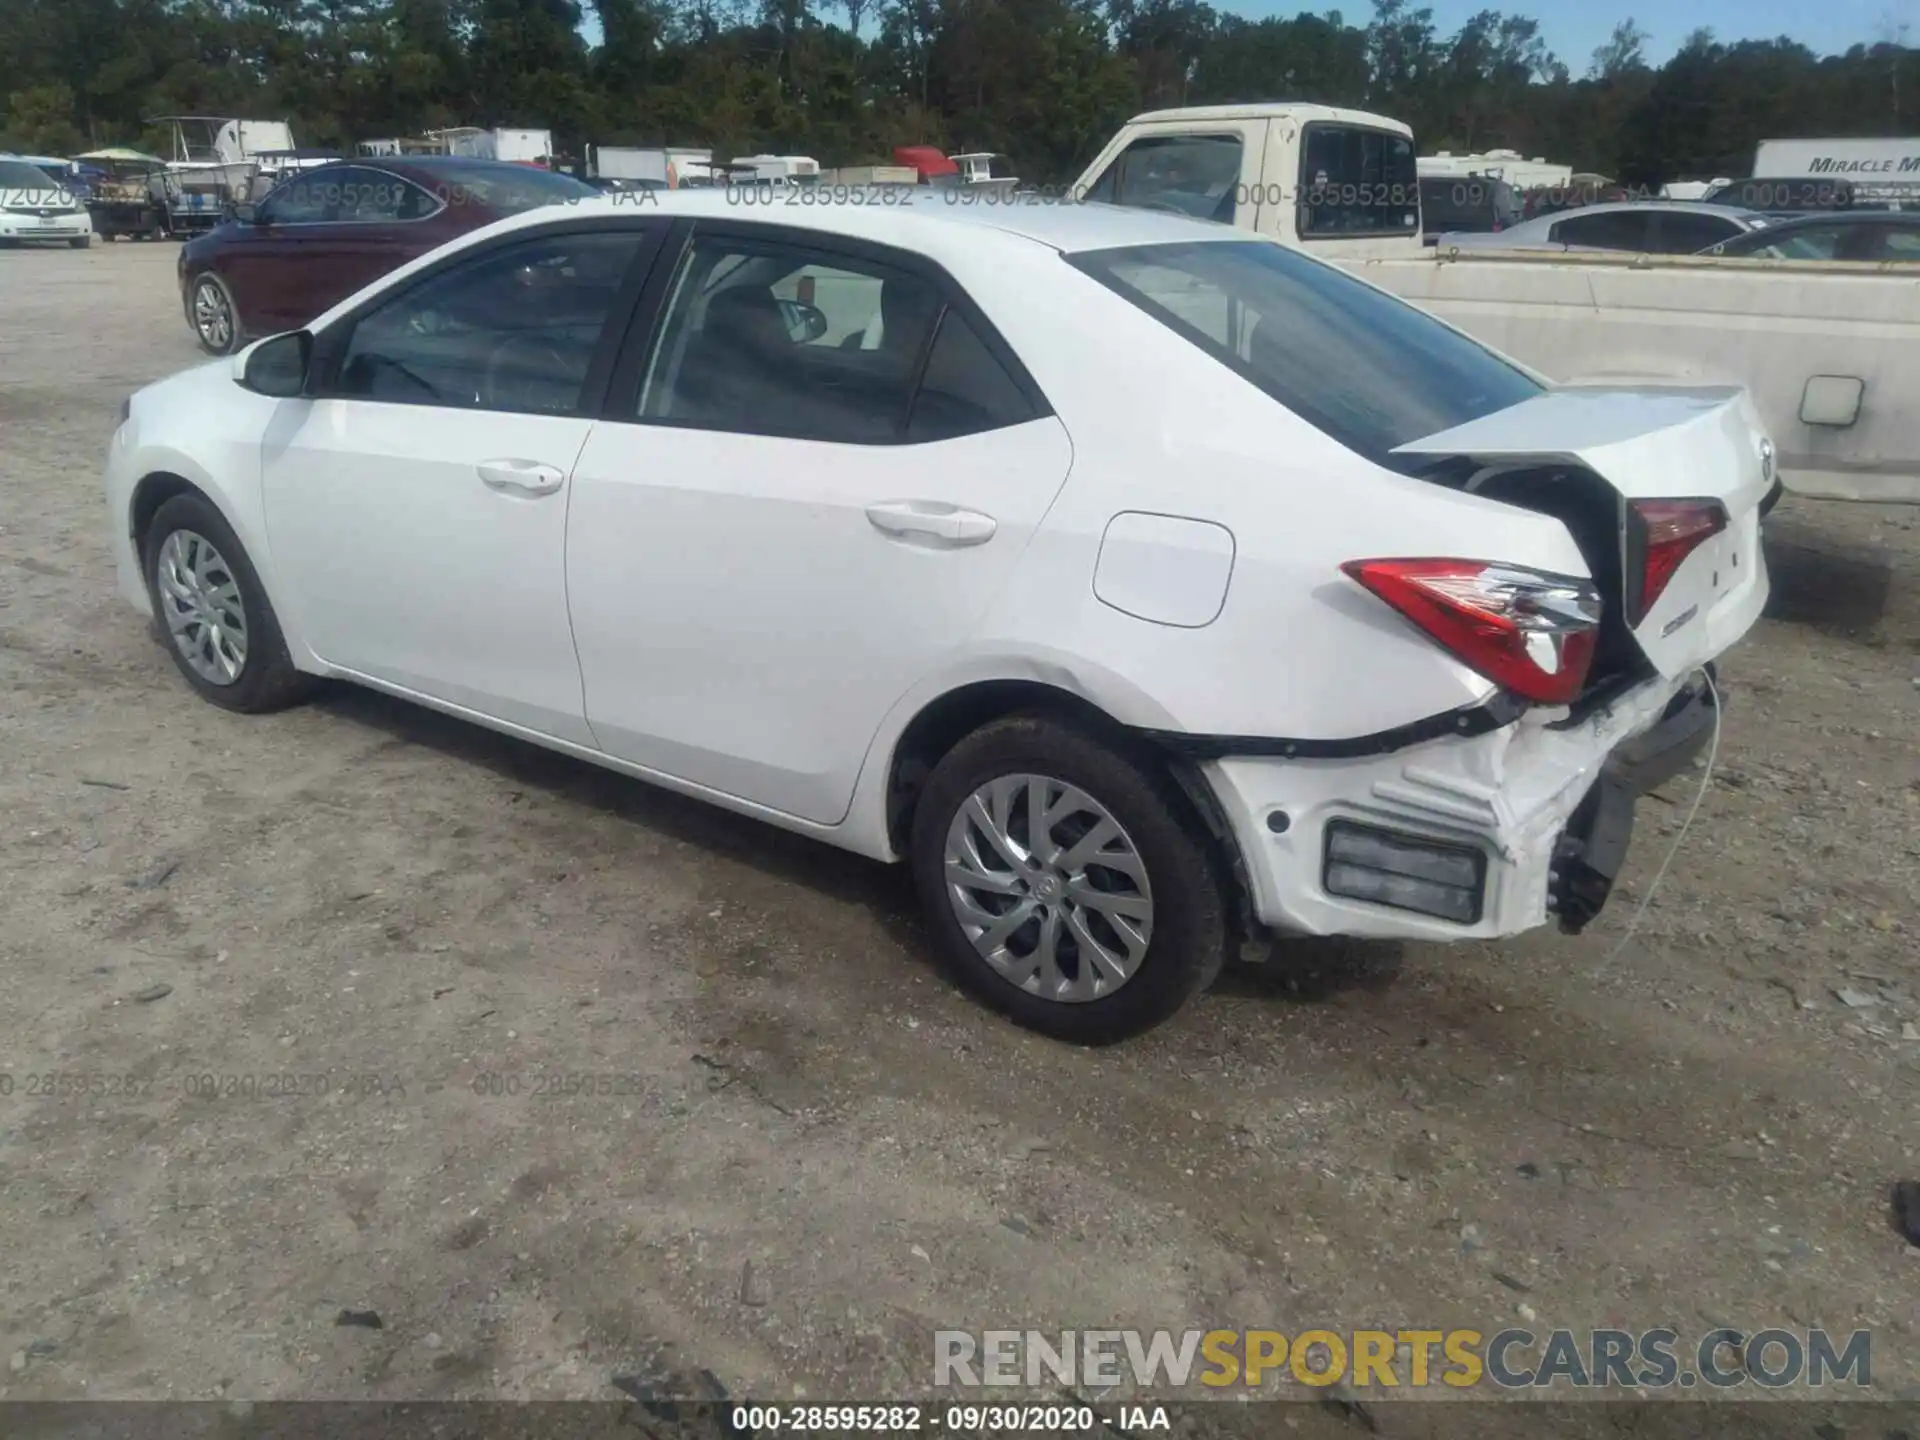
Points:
point(1462, 837)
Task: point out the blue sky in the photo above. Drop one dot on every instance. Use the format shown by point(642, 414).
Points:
point(1574, 29)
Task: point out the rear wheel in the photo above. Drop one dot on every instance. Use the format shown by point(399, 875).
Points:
point(211, 312)
point(213, 611)
point(1065, 882)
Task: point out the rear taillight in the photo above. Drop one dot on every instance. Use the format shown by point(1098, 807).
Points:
point(1660, 535)
point(1531, 632)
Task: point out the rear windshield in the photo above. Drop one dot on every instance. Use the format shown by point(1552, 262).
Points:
point(1369, 370)
point(504, 187)
point(1355, 181)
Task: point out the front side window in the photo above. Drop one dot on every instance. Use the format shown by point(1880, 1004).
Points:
point(1683, 232)
point(514, 329)
point(307, 197)
point(777, 339)
point(1899, 243)
point(1807, 242)
point(378, 197)
point(1366, 368)
point(1197, 175)
point(1355, 182)
point(505, 189)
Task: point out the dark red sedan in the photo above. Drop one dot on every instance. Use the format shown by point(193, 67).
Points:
point(326, 232)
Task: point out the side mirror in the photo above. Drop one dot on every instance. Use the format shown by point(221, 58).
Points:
point(247, 213)
point(276, 367)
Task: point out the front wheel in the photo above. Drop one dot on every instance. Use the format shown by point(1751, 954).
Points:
point(1066, 882)
point(211, 312)
point(81, 242)
point(213, 611)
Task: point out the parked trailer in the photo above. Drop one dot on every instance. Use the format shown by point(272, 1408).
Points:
point(658, 165)
point(524, 147)
point(853, 176)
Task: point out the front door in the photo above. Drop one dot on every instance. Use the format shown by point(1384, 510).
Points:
point(417, 508)
point(784, 533)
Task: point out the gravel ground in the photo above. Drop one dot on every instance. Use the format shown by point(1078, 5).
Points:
point(800, 1151)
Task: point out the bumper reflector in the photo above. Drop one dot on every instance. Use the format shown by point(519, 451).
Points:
point(1407, 872)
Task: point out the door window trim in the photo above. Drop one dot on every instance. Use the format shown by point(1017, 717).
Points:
point(330, 343)
point(647, 326)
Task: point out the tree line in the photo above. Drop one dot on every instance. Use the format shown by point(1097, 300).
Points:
point(1044, 81)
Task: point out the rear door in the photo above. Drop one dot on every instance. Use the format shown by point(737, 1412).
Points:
point(775, 532)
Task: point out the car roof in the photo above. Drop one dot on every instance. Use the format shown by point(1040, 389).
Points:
point(1684, 207)
point(1845, 217)
point(928, 220)
point(1275, 109)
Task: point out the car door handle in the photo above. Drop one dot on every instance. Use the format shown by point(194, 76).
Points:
point(521, 477)
point(932, 520)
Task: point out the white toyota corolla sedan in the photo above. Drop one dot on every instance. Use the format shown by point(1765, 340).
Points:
point(1151, 589)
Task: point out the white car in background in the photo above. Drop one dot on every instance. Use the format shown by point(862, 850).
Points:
point(35, 206)
point(1652, 227)
point(1147, 586)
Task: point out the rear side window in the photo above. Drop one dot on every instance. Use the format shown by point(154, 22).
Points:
point(1369, 370)
point(1355, 182)
point(506, 188)
point(1197, 175)
point(1613, 230)
point(769, 338)
point(965, 390)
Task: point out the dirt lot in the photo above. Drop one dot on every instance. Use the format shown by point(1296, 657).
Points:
point(1696, 1131)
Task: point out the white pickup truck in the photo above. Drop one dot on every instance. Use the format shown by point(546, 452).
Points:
point(1830, 352)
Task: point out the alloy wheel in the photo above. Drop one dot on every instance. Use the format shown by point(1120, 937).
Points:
point(212, 315)
point(201, 603)
point(1049, 888)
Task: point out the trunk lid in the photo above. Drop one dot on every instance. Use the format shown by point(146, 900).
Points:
point(1647, 445)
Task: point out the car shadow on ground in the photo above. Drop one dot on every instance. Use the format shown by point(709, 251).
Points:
point(1305, 970)
point(1312, 970)
point(1825, 583)
point(885, 891)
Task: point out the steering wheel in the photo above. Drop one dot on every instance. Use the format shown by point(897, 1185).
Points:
point(543, 357)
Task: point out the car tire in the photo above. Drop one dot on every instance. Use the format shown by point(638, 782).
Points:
point(196, 566)
point(213, 316)
point(81, 242)
point(1181, 880)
